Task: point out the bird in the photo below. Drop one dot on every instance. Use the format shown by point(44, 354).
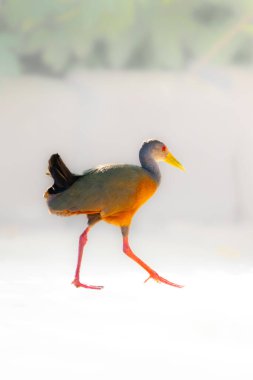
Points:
point(111, 193)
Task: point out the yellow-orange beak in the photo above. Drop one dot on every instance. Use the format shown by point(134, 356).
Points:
point(170, 159)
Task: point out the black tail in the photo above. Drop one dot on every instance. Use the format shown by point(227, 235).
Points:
point(63, 178)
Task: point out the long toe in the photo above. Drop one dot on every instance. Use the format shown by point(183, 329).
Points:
point(161, 279)
point(78, 284)
point(155, 276)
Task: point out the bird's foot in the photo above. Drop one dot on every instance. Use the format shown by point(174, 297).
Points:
point(78, 284)
point(155, 276)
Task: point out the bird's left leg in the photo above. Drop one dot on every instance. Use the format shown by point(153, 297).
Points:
point(152, 274)
point(92, 219)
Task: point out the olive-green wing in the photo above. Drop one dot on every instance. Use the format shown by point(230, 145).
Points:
point(109, 188)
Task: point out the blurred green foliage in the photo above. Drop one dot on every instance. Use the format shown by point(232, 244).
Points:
point(54, 36)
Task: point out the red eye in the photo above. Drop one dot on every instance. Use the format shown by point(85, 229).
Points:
point(164, 148)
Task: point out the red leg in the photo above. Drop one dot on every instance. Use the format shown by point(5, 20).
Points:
point(152, 274)
point(82, 241)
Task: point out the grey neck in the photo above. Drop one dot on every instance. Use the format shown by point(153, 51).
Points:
point(148, 163)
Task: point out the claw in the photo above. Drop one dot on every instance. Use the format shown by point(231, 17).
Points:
point(160, 279)
point(78, 284)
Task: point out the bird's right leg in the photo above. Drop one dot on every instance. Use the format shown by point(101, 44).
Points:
point(152, 274)
point(92, 219)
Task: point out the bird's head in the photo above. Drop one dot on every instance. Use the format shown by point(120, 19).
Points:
point(159, 152)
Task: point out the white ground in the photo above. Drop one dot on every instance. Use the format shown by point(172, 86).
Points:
point(51, 330)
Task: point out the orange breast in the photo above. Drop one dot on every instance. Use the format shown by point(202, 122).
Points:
point(144, 191)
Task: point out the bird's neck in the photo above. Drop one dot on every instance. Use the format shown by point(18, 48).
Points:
point(148, 163)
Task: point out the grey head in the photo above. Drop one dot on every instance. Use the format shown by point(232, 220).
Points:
point(153, 151)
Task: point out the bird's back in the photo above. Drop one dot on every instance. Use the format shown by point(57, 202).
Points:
point(107, 189)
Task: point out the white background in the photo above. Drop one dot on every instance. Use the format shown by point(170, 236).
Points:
point(197, 229)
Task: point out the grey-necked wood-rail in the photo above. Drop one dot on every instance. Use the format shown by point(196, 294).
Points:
point(112, 193)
